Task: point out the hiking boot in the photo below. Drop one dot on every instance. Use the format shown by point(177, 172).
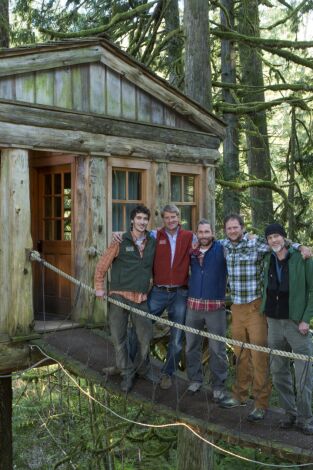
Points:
point(165, 382)
point(194, 387)
point(256, 415)
point(306, 428)
point(231, 402)
point(150, 376)
point(110, 370)
point(219, 395)
point(288, 422)
point(127, 383)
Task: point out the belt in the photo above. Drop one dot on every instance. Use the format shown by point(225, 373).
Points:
point(170, 289)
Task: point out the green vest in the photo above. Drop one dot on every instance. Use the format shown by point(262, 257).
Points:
point(130, 272)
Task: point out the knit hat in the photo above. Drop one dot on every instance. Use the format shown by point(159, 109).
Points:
point(275, 228)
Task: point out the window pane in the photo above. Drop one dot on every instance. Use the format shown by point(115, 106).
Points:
point(48, 184)
point(57, 183)
point(48, 209)
point(67, 229)
point(117, 217)
point(186, 219)
point(129, 208)
point(176, 192)
point(119, 184)
point(189, 188)
point(67, 181)
point(134, 185)
point(58, 231)
point(57, 207)
point(48, 229)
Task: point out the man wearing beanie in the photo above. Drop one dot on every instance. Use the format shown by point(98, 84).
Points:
point(244, 258)
point(288, 305)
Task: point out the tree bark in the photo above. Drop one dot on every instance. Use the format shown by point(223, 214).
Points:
point(231, 199)
point(6, 453)
point(256, 124)
point(197, 58)
point(192, 453)
point(175, 45)
point(4, 23)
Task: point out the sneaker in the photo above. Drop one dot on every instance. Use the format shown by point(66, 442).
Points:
point(127, 383)
point(194, 387)
point(219, 395)
point(256, 415)
point(288, 422)
point(306, 428)
point(165, 382)
point(230, 402)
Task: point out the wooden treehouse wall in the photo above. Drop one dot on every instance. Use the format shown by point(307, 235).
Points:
point(90, 88)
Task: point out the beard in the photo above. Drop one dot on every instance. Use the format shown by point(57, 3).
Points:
point(277, 248)
point(205, 241)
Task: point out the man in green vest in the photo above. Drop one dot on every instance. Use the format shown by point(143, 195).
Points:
point(131, 262)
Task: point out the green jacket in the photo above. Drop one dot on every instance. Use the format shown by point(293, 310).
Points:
point(130, 272)
point(300, 286)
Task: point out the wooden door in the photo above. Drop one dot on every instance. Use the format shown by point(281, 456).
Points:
point(53, 227)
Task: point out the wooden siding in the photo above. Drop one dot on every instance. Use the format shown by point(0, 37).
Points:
point(92, 88)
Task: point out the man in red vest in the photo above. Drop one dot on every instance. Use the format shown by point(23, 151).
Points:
point(170, 281)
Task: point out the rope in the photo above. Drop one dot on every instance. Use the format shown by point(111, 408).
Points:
point(35, 256)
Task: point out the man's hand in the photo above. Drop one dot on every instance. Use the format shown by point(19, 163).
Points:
point(100, 294)
point(305, 251)
point(304, 328)
point(117, 237)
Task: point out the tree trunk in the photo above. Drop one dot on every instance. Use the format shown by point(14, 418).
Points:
point(192, 453)
point(291, 171)
point(6, 454)
point(4, 23)
point(16, 313)
point(175, 45)
point(197, 58)
point(256, 124)
point(231, 200)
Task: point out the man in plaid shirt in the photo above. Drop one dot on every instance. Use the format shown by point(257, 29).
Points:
point(244, 258)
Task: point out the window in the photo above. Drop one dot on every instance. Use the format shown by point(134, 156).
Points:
point(184, 197)
point(126, 194)
point(57, 206)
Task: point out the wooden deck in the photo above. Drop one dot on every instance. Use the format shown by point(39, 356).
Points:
point(85, 352)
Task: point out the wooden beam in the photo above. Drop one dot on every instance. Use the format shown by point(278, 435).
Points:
point(45, 116)
point(44, 60)
point(84, 143)
point(16, 313)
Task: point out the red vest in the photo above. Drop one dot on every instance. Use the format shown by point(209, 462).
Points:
point(176, 275)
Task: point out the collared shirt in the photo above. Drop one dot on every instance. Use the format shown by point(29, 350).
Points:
point(245, 268)
point(105, 263)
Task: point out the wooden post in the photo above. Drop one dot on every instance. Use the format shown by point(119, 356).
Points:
point(209, 186)
point(162, 190)
point(90, 232)
point(6, 453)
point(193, 453)
point(16, 314)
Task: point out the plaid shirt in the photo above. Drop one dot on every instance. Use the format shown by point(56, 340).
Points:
point(245, 268)
point(208, 305)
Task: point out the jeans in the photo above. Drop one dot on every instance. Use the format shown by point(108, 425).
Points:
point(118, 322)
point(285, 335)
point(252, 367)
point(215, 322)
point(175, 303)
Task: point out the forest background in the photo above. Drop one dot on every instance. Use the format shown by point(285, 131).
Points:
point(248, 61)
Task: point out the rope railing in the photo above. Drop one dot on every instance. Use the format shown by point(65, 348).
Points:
point(35, 256)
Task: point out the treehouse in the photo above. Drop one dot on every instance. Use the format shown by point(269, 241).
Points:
point(86, 133)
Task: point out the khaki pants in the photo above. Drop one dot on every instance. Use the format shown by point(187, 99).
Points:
point(252, 367)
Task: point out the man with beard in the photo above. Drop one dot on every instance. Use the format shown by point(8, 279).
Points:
point(288, 305)
point(206, 307)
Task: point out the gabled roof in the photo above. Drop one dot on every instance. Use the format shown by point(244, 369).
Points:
point(35, 59)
